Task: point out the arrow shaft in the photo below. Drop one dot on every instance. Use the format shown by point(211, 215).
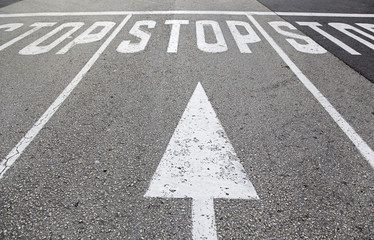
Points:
point(203, 220)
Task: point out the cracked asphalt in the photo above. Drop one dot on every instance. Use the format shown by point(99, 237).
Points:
point(85, 174)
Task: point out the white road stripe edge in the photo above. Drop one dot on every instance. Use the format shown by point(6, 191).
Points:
point(117, 13)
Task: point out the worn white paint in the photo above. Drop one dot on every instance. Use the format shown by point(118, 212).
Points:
point(203, 219)
point(178, 12)
point(242, 41)
point(360, 144)
point(11, 26)
point(37, 26)
point(309, 46)
point(367, 26)
point(88, 36)
point(330, 15)
point(34, 48)
point(128, 47)
point(16, 152)
point(200, 163)
point(343, 27)
point(174, 34)
point(119, 13)
point(315, 26)
point(218, 46)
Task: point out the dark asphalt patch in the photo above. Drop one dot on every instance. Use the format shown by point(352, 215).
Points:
point(361, 63)
point(4, 3)
point(336, 6)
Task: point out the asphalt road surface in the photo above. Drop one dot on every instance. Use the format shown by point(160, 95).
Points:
point(184, 120)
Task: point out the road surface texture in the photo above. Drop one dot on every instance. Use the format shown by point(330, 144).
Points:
point(186, 120)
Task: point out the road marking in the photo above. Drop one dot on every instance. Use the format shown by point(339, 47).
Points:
point(360, 144)
point(16, 152)
point(11, 26)
point(310, 14)
point(36, 26)
point(315, 26)
point(200, 163)
point(118, 13)
point(88, 36)
point(343, 27)
point(128, 47)
point(174, 34)
point(242, 40)
point(367, 26)
point(34, 48)
point(219, 44)
point(310, 47)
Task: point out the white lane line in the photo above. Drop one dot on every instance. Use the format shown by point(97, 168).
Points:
point(312, 14)
point(360, 144)
point(118, 13)
point(16, 152)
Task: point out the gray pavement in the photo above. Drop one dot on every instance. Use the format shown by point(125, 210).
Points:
point(85, 174)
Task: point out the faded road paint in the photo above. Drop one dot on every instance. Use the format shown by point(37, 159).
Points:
point(200, 163)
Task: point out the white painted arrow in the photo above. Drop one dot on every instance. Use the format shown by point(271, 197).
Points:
point(200, 163)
